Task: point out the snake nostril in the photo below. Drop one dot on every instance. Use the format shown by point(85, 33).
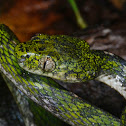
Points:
point(27, 56)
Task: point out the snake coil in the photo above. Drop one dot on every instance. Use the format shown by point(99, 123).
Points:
point(72, 61)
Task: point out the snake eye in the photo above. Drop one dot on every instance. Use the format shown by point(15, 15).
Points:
point(47, 64)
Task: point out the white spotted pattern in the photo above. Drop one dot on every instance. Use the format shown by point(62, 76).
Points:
point(113, 83)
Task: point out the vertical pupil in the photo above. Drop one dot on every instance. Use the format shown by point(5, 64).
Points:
point(44, 65)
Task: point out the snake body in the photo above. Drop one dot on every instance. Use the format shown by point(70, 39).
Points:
point(30, 67)
point(70, 60)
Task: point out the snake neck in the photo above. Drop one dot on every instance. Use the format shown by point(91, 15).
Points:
point(113, 73)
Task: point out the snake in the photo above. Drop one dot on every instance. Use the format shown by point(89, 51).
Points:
point(34, 67)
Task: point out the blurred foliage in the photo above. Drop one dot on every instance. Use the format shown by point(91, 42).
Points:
point(26, 18)
point(118, 3)
point(79, 18)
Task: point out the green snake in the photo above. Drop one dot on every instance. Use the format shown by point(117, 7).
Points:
point(34, 66)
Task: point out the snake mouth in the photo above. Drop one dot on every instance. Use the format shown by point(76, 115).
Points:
point(46, 64)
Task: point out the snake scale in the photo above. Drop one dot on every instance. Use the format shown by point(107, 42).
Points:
point(33, 67)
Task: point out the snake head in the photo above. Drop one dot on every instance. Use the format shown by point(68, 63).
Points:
point(60, 57)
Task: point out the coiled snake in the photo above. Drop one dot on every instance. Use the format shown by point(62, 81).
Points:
point(31, 66)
